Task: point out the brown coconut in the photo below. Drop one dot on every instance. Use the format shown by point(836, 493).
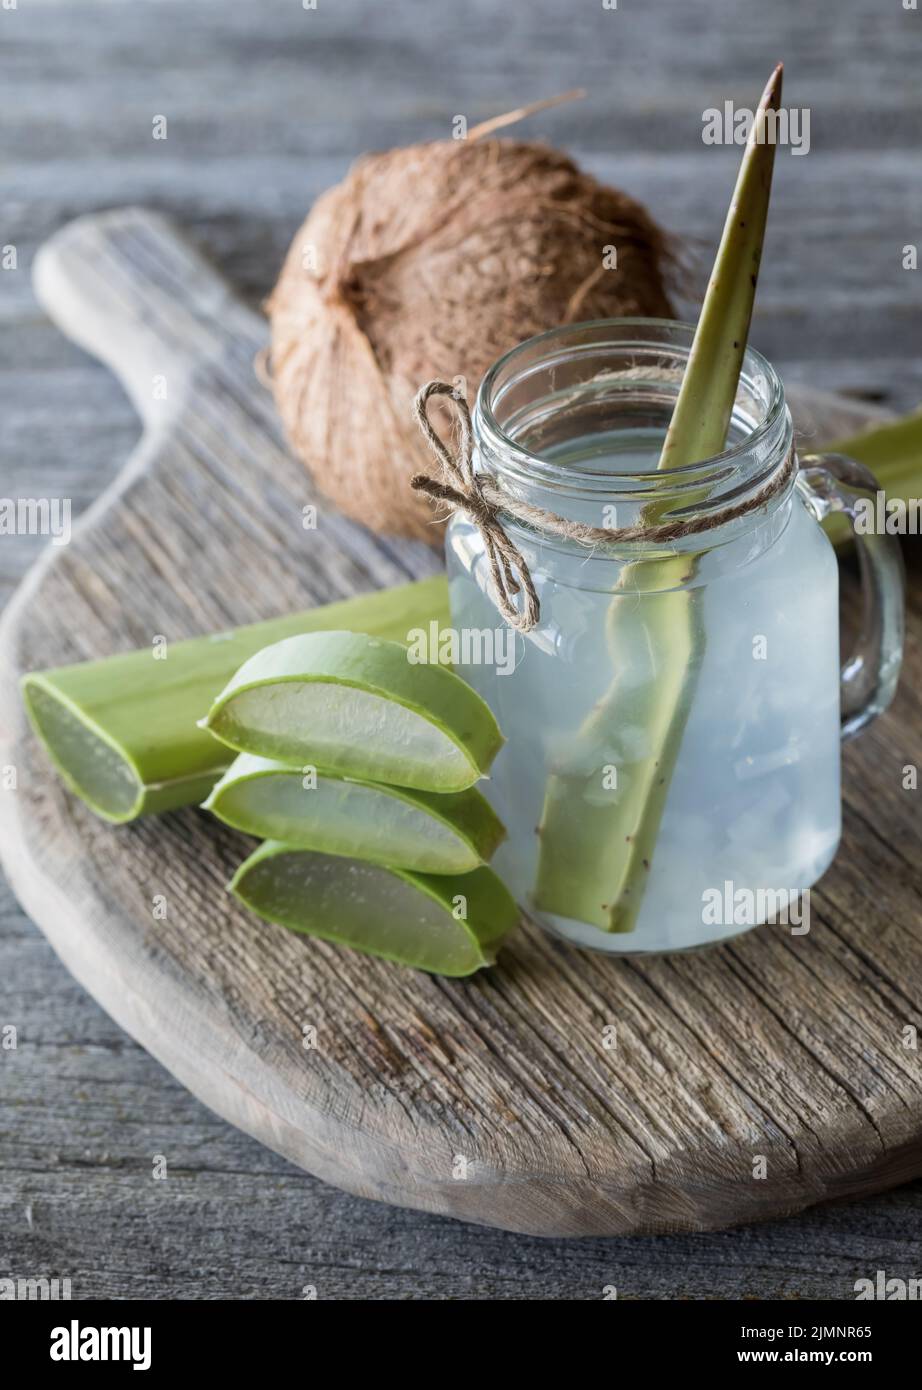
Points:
point(432, 261)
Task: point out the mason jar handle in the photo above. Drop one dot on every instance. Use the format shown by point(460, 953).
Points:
point(833, 483)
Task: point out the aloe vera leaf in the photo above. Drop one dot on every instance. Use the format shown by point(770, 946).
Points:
point(893, 452)
point(596, 848)
point(701, 417)
point(437, 834)
point(446, 924)
point(591, 840)
point(893, 449)
point(122, 731)
point(355, 706)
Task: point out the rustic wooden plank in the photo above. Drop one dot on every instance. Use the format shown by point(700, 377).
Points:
point(83, 1111)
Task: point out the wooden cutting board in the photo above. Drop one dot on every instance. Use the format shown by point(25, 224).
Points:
point(496, 1099)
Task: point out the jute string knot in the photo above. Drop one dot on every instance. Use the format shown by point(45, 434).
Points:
point(461, 489)
point(478, 496)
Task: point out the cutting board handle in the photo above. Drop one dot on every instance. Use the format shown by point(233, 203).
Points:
point(131, 289)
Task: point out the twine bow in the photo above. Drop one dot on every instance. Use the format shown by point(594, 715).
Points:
point(479, 497)
point(461, 489)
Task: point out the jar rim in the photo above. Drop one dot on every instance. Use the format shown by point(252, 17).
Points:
point(556, 474)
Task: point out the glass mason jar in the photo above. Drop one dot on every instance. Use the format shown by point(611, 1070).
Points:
point(673, 721)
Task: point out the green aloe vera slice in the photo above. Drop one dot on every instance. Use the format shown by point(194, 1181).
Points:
point(435, 834)
point(122, 731)
point(355, 706)
point(594, 859)
point(446, 924)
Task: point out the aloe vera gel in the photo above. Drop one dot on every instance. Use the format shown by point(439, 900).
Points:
point(671, 771)
point(358, 766)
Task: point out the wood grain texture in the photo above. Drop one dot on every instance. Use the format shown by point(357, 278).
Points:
point(508, 1071)
point(84, 1112)
point(268, 105)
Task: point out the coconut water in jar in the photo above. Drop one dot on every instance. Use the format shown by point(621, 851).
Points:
point(671, 771)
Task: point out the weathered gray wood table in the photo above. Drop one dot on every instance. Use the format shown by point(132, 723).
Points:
point(263, 111)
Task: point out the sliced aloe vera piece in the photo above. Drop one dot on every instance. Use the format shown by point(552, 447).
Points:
point(122, 731)
point(598, 872)
point(354, 705)
point(435, 834)
point(446, 924)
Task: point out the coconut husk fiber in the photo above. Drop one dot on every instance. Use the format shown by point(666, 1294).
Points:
point(431, 261)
